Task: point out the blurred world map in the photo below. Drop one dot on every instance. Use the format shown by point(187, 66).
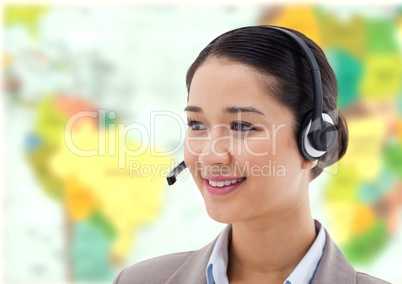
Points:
point(86, 87)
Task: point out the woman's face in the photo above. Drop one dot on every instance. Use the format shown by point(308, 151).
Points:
point(240, 147)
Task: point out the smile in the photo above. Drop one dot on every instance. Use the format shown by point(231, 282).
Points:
point(224, 183)
point(220, 186)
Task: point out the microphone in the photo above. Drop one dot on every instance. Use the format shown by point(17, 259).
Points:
point(172, 175)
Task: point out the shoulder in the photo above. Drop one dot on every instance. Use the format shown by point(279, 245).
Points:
point(183, 267)
point(363, 278)
point(155, 270)
point(334, 267)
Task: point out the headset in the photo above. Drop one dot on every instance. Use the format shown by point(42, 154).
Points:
point(318, 133)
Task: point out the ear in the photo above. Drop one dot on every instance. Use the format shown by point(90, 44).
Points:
point(308, 165)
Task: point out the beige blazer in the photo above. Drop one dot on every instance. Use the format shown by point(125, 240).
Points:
point(189, 268)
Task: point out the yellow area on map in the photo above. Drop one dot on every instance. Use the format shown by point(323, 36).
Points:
point(349, 219)
point(300, 18)
point(50, 122)
point(382, 76)
point(344, 34)
point(27, 15)
point(340, 213)
point(399, 26)
point(51, 184)
point(343, 186)
point(128, 197)
point(366, 136)
point(7, 61)
point(362, 162)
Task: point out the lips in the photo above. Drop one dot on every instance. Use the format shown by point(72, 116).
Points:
point(222, 186)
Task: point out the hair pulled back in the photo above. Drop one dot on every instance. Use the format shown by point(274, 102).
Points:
point(278, 57)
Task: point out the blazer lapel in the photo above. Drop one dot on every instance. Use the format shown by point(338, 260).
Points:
point(193, 269)
point(333, 266)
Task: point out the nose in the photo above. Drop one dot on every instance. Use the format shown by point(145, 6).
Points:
point(217, 149)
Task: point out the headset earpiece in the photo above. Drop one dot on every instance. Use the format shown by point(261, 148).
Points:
point(316, 138)
point(318, 133)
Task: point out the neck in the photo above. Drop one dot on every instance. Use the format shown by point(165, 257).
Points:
point(270, 248)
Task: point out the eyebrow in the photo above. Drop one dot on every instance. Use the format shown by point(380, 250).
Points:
point(228, 109)
point(193, 109)
point(242, 109)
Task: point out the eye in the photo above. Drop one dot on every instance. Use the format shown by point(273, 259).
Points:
point(241, 126)
point(195, 125)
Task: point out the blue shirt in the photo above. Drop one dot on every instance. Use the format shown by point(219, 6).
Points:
point(302, 274)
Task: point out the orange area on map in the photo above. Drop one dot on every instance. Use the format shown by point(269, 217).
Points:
point(300, 18)
point(399, 130)
point(79, 200)
point(362, 220)
point(394, 202)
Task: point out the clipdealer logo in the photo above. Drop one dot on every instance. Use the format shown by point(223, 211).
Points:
point(115, 142)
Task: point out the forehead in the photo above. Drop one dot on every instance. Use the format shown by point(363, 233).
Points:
point(219, 84)
point(226, 78)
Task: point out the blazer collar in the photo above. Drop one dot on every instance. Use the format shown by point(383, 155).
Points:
point(333, 266)
point(193, 269)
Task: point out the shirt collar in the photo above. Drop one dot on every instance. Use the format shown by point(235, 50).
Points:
point(304, 271)
point(218, 261)
point(302, 274)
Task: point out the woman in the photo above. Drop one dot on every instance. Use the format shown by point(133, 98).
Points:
point(254, 143)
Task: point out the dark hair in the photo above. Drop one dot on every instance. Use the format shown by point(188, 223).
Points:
point(272, 53)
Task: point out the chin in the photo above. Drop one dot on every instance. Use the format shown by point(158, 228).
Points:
point(222, 215)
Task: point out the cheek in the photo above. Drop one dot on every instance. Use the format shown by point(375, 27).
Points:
point(261, 152)
point(189, 161)
point(279, 158)
point(256, 150)
point(192, 150)
point(273, 145)
point(194, 144)
point(189, 157)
